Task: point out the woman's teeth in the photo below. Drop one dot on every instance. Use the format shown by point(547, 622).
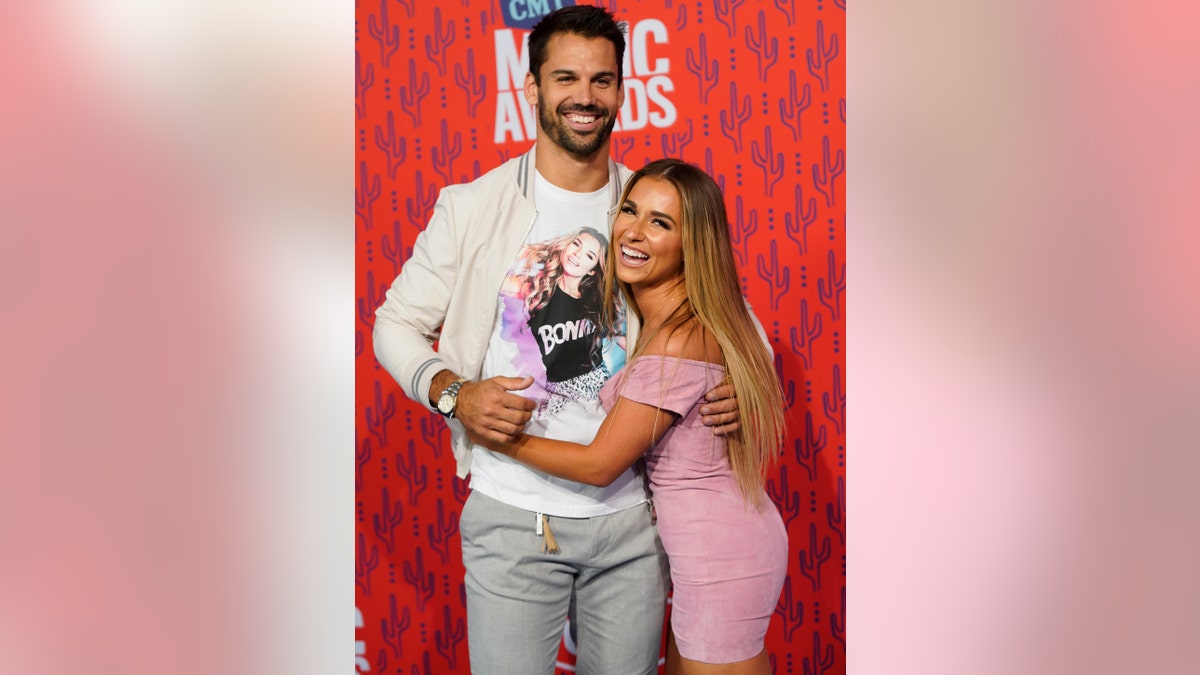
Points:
point(634, 254)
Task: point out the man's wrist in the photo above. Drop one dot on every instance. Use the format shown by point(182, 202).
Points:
point(440, 381)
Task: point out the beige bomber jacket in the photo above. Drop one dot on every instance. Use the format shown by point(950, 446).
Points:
point(448, 288)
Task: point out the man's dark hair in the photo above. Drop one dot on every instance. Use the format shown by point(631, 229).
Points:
point(584, 20)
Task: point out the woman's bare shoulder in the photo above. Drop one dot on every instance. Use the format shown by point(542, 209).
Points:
point(691, 340)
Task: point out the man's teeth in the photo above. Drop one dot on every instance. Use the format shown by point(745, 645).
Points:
point(583, 119)
point(633, 254)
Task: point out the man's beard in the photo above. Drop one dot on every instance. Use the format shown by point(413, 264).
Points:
point(584, 146)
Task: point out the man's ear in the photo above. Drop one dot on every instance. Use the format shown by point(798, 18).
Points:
point(531, 90)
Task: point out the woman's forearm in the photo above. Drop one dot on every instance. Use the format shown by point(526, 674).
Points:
point(624, 436)
point(580, 463)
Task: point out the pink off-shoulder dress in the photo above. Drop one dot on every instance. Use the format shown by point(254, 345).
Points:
point(728, 559)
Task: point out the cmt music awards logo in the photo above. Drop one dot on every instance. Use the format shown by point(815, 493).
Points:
point(647, 79)
point(526, 13)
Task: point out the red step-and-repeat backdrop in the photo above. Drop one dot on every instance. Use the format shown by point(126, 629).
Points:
point(754, 93)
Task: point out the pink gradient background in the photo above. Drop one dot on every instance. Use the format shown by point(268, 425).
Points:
point(176, 398)
point(1024, 321)
point(176, 406)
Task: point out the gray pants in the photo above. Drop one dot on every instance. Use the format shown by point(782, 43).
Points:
point(518, 597)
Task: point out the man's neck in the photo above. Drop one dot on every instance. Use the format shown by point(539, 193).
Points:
point(569, 171)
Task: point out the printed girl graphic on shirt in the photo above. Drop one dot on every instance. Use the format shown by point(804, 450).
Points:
point(552, 311)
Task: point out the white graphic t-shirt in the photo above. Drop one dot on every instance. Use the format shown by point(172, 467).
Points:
point(549, 325)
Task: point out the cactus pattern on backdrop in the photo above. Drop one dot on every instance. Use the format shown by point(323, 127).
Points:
point(752, 91)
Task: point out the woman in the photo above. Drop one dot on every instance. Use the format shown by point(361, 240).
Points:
point(726, 543)
point(561, 284)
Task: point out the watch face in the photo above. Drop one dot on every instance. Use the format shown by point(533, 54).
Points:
point(448, 398)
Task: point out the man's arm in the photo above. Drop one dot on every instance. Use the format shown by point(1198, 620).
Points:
point(410, 320)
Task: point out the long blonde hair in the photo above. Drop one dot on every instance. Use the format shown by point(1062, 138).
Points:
point(714, 298)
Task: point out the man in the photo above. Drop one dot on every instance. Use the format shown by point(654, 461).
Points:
point(532, 543)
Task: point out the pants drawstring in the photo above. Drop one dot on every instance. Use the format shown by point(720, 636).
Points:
point(549, 543)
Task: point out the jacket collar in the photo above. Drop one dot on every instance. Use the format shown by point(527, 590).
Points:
point(526, 175)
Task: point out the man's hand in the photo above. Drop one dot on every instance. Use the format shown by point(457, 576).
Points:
point(490, 411)
point(721, 411)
